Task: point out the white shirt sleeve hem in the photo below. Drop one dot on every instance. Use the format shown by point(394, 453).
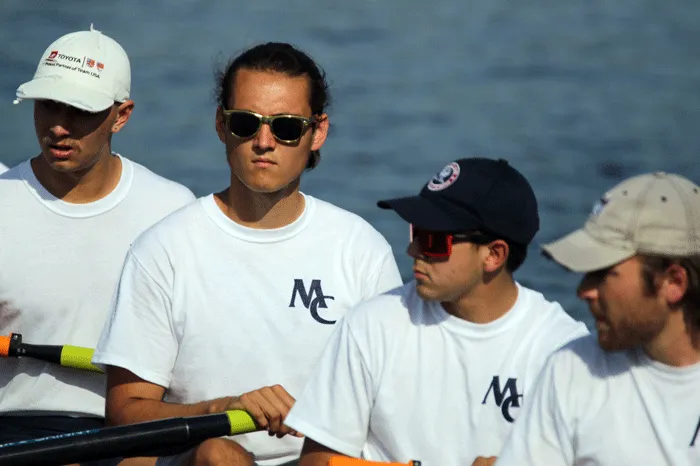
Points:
point(102, 360)
point(323, 438)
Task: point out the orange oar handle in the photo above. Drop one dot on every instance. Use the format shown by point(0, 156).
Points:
point(4, 346)
point(347, 461)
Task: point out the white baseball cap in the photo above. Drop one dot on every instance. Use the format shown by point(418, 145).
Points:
point(654, 214)
point(85, 69)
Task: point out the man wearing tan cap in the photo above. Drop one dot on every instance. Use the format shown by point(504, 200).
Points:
point(632, 398)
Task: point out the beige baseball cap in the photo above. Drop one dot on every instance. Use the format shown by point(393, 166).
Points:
point(656, 214)
point(84, 69)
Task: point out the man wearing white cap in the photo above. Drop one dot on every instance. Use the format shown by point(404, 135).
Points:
point(632, 397)
point(75, 208)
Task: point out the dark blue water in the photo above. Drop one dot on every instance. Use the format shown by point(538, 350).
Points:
point(577, 95)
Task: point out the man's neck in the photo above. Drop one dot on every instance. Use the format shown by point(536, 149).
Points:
point(261, 210)
point(678, 344)
point(487, 302)
point(80, 187)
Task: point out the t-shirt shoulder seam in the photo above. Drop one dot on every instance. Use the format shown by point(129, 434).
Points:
point(575, 330)
point(361, 350)
point(351, 332)
point(380, 267)
point(145, 270)
point(553, 387)
point(345, 213)
point(165, 183)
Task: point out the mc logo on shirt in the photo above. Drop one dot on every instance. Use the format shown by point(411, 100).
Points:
point(309, 301)
point(499, 396)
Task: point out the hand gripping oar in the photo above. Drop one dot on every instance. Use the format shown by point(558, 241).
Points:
point(68, 356)
point(347, 461)
point(153, 438)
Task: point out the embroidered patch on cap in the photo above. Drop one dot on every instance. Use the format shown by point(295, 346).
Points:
point(445, 178)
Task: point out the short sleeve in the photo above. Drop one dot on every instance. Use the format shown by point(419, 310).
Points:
point(334, 408)
point(139, 333)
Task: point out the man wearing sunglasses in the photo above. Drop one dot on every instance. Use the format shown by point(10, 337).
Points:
point(228, 303)
point(439, 369)
point(632, 396)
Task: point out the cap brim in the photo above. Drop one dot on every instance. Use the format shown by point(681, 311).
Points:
point(431, 215)
point(55, 88)
point(580, 252)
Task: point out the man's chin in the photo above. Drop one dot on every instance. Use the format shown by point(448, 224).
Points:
point(611, 344)
point(421, 290)
point(426, 292)
point(266, 185)
point(65, 165)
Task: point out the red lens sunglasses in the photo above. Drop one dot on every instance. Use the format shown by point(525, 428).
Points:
point(438, 244)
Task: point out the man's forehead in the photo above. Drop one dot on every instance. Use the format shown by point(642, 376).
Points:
point(270, 92)
point(57, 103)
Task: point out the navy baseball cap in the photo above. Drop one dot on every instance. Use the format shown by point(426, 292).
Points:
point(473, 194)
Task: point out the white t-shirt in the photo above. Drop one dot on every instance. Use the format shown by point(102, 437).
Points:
point(209, 308)
point(593, 407)
point(3, 168)
point(401, 379)
point(59, 266)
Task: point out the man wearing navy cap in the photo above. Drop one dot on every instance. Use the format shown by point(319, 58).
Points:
point(438, 370)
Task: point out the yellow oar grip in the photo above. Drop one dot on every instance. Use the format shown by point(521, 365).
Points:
point(78, 357)
point(241, 422)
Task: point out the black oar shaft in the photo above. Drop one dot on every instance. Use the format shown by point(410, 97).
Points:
point(143, 439)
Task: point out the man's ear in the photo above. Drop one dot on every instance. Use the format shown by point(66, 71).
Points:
point(320, 131)
point(123, 114)
point(675, 284)
point(498, 252)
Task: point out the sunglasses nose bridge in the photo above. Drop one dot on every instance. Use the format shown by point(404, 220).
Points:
point(264, 137)
point(265, 120)
point(269, 121)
